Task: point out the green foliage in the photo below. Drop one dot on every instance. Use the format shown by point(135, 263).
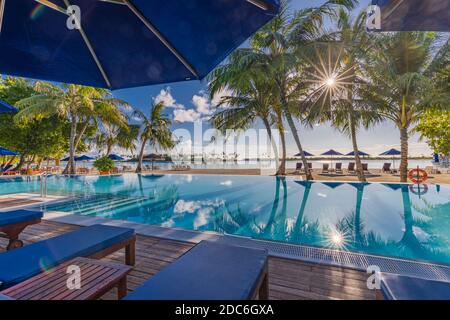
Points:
point(34, 138)
point(104, 164)
point(434, 126)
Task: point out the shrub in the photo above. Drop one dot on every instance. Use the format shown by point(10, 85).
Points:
point(104, 164)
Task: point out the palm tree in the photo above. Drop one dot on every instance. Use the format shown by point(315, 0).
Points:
point(155, 129)
point(275, 49)
point(251, 98)
point(401, 70)
point(334, 95)
point(80, 105)
point(124, 137)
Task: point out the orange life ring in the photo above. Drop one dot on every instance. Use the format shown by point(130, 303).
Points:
point(419, 190)
point(417, 175)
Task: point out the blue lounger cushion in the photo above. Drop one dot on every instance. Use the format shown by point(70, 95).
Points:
point(16, 216)
point(23, 263)
point(397, 287)
point(209, 271)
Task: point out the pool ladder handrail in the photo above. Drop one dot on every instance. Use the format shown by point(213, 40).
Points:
point(43, 179)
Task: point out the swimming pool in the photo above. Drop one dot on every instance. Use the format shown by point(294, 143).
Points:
point(383, 219)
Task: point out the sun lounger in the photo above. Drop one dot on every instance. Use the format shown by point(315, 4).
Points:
point(338, 168)
point(351, 167)
point(209, 271)
point(325, 168)
point(298, 166)
point(386, 168)
point(12, 223)
point(365, 167)
point(398, 287)
point(96, 242)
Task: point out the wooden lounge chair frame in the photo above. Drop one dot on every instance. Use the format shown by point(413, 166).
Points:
point(130, 251)
point(13, 231)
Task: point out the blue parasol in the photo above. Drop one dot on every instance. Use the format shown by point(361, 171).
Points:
point(124, 43)
point(5, 108)
point(331, 153)
point(391, 152)
point(361, 153)
point(6, 152)
point(115, 157)
point(306, 153)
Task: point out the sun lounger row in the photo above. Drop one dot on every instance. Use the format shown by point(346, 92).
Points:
point(351, 169)
point(208, 271)
point(181, 168)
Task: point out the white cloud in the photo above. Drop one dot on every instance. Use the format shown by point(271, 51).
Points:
point(218, 97)
point(165, 96)
point(185, 115)
point(201, 103)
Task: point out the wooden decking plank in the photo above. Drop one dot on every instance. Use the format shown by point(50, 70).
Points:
point(288, 279)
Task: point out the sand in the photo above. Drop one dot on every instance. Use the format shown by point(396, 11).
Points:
point(377, 176)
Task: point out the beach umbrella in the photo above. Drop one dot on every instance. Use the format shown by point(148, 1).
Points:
point(6, 152)
point(361, 153)
point(6, 108)
point(391, 152)
point(306, 153)
point(84, 158)
point(118, 44)
point(115, 157)
point(152, 157)
point(331, 153)
point(80, 158)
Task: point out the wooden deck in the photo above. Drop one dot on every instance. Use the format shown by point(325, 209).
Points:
point(288, 279)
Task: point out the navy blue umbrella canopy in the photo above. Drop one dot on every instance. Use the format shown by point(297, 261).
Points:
point(6, 152)
point(125, 43)
point(391, 152)
point(115, 157)
point(307, 154)
point(80, 158)
point(4, 107)
point(331, 152)
point(361, 153)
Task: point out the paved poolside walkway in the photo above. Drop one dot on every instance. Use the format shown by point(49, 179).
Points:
point(288, 279)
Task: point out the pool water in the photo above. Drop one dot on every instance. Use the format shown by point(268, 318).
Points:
point(384, 219)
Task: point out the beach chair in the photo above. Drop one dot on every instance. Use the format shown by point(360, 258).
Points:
point(365, 167)
point(298, 167)
point(210, 271)
point(351, 167)
point(325, 168)
point(96, 241)
point(338, 168)
point(386, 168)
point(399, 287)
point(12, 223)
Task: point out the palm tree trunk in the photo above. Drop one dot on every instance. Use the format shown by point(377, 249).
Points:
point(272, 142)
point(359, 168)
point(21, 162)
point(404, 154)
point(293, 129)
point(108, 149)
point(282, 169)
point(141, 157)
point(81, 134)
point(70, 168)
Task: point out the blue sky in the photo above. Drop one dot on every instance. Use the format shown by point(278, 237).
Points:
point(188, 102)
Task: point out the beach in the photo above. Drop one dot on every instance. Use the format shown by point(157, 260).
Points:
point(375, 176)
